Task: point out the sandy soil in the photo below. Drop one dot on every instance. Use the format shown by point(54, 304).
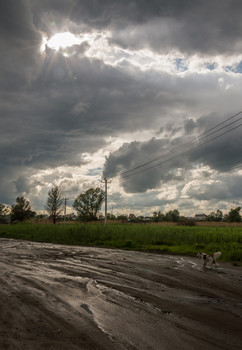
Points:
point(66, 298)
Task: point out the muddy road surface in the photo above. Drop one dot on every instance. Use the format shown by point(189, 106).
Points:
point(57, 297)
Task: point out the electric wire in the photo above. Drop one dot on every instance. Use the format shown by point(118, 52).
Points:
point(229, 170)
point(185, 144)
point(196, 139)
point(177, 155)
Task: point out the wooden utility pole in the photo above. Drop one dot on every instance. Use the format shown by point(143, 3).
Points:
point(65, 199)
point(106, 199)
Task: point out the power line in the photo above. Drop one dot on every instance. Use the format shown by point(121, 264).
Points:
point(177, 155)
point(196, 139)
point(65, 200)
point(235, 121)
point(221, 174)
point(185, 144)
point(229, 170)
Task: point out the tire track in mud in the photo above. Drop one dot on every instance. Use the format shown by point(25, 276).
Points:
point(62, 297)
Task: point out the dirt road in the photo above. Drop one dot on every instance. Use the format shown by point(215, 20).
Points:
point(66, 298)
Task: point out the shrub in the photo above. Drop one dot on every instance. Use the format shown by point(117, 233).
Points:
point(186, 222)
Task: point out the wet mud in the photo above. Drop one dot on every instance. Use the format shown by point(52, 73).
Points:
point(66, 298)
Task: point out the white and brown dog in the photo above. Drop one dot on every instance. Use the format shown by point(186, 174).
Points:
point(209, 258)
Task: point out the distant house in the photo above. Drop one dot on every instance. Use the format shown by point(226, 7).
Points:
point(131, 217)
point(71, 216)
point(201, 217)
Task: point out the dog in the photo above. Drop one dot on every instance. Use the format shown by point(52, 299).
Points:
point(209, 258)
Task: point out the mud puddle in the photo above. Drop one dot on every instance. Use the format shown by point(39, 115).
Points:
point(65, 297)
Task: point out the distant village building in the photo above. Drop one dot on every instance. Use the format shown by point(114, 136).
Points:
point(71, 216)
point(131, 217)
point(201, 217)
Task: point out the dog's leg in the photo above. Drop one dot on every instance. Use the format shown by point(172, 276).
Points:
point(204, 260)
point(213, 260)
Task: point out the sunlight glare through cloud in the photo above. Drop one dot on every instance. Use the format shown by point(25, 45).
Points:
point(63, 40)
point(174, 62)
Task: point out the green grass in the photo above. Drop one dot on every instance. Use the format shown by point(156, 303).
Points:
point(164, 239)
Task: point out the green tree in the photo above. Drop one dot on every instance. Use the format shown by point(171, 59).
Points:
point(158, 216)
point(89, 203)
point(172, 215)
point(234, 215)
point(54, 204)
point(122, 217)
point(3, 214)
point(111, 216)
point(21, 210)
point(215, 216)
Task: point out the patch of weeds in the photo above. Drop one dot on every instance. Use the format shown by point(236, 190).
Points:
point(236, 255)
point(128, 244)
point(163, 249)
point(99, 243)
point(199, 247)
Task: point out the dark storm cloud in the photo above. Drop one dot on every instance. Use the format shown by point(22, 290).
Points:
point(155, 162)
point(16, 24)
point(53, 108)
point(131, 156)
point(189, 26)
point(227, 188)
point(222, 154)
point(19, 42)
point(139, 203)
point(84, 95)
point(219, 148)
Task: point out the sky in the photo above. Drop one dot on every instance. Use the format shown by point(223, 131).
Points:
point(144, 93)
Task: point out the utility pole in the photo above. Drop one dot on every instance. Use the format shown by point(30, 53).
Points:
point(106, 198)
point(65, 199)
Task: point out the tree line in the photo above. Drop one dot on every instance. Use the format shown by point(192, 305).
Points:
point(88, 205)
point(174, 216)
point(217, 216)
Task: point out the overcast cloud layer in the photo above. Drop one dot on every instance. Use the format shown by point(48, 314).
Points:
point(130, 83)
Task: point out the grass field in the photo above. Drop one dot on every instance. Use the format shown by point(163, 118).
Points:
point(182, 240)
